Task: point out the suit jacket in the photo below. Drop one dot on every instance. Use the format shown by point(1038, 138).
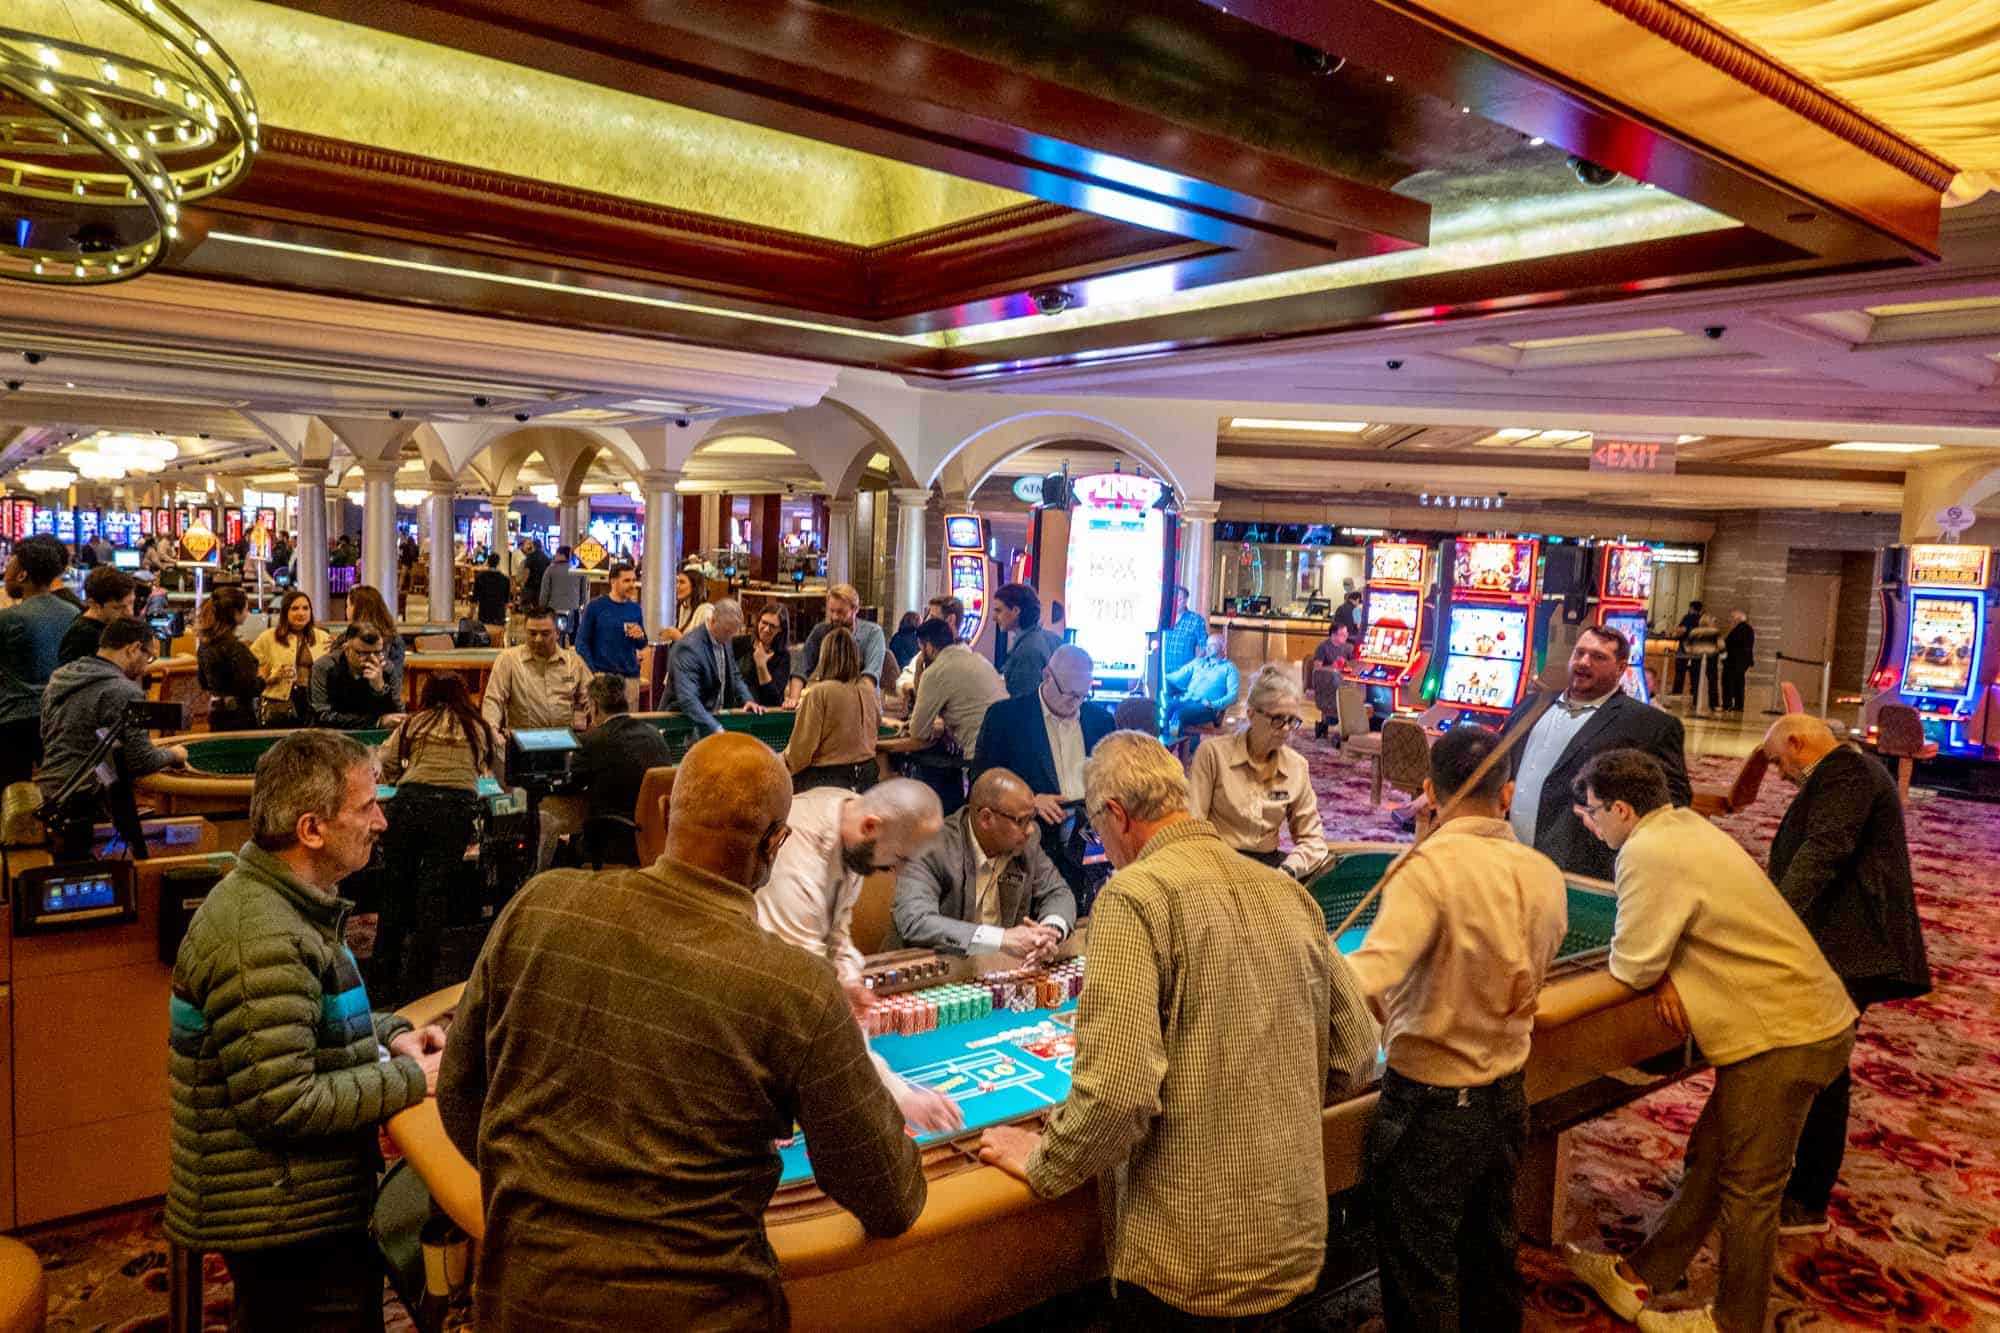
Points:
point(1841, 861)
point(935, 907)
point(612, 760)
point(1741, 645)
point(1620, 723)
point(1015, 738)
point(702, 683)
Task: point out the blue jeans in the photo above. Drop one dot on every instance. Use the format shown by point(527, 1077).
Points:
point(1188, 713)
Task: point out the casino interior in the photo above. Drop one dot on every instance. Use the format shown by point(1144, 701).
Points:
point(1465, 327)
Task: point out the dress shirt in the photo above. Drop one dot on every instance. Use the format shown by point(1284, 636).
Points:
point(1209, 975)
point(1066, 749)
point(989, 931)
point(527, 692)
point(809, 900)
point(1248, 811)
point(1544, 747)
point(1207, 680)
point(958, 687)
point(1182, 642)
point(1455, 960)
point(1693, 906)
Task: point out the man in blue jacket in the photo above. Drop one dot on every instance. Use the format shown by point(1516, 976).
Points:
point(1043, 738)
point(613, 629)
point(1201, 691)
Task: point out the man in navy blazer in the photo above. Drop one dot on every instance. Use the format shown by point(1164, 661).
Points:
point(704, 671)
point(1026, 735)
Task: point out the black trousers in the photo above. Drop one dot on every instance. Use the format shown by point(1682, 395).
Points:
point(854, 777)
point(20, 749)
point(1732, 687)
point(1823, 1142)
point(1441, 1165)
point(429, 828)
point(331, 1284)
point(1140, 1311)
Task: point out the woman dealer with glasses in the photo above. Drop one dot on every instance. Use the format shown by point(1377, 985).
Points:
point(1251, 784)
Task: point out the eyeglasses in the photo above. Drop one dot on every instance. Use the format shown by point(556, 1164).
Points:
point(1285, 721)
point(1065, 691)
point(1588, 810)
point(1025, 823)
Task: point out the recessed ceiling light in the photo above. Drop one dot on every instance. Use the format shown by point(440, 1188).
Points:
point(1881, 447)
point(1287, 423)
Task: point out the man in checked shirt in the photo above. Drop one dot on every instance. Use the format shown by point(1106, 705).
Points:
point(1216, 1018)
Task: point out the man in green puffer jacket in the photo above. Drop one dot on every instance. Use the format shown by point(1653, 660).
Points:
point(281, 1073)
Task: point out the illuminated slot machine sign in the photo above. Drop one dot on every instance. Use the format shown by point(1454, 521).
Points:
point(1393, 609)
point(1624, 588)
point(1487, 632)
point(1117, 572)
point(967, 570)
point(1947, 625)
point(66, 526)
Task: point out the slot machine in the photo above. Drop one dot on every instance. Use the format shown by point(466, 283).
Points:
point(1487, 614)
point(969, 576)
point(1395, 625)
point(1624, 591)
point(1939, 604)
point(1119, 571)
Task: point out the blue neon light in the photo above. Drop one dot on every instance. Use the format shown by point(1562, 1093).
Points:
point(21, 234)
point(1933, 607)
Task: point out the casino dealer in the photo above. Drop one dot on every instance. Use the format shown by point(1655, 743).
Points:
point(1252, 785)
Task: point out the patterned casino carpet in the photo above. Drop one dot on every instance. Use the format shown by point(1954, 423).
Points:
point(1916, 1239)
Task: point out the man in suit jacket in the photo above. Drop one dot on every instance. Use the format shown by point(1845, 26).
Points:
point(1043, 738)
point(985, 885)
point(1591, 716)
point(1841, 860)
point(1739, 654)
point(704, 670)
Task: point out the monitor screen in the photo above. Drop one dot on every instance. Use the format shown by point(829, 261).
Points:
point(1480, 682)
point(1500, 567)
point(1393, 608)
point(1944, 644)
point(125, 559)
point(545, 739)
point(80, 894)
point(1395, 562)
point(961, 533)
point(1388, 643)
point(1488, 631)
point(1628, 573)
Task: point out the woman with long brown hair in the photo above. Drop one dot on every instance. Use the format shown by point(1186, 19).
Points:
point(839, 718)
point(435, 758)
point(224, 666)
point(285, 654)
point(366, 607)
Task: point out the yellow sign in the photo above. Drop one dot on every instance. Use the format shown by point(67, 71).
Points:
point(590, 553)
point(1940, 566)
point(199, 545)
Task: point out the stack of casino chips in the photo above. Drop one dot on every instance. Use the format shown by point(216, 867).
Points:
point(926, 1010)
point(1026, 988)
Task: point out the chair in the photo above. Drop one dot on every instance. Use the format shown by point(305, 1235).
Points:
point(656, 789)
point(24, 1292)
point(434, 643)
point(1739, 795)
point(1403, 759)
point(653, 661)
point(1138, 713)
point(1794, 701)
point(1327, 683)
point(1351, 710)
point(1900, 735)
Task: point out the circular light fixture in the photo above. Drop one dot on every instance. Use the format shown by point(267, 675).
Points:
point(45, 479)
point(101, 148)
point(410, 499)
point(546, 493)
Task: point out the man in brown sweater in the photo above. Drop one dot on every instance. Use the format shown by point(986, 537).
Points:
point(627, 1049)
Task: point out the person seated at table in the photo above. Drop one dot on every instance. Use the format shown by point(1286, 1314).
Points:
point(224, 665)
point(652, 1215)
point(350, 685)
point(839, 719)
point(611, 762)
point(434, 759)
point(1327, 669)
point(956, 689)
point(94, 693)
point(1043, 738)
point(1453, 966)
point(1200, 692)
point(538, 683)
point(986, 885)
point(843, 608)
point(764, 659)
point(1251, 785)
point(948, 609)
point(1017, 609)
point(903, 643)
point(705, 678)
point(108, 595)
point(367, 610)
point(285, 654)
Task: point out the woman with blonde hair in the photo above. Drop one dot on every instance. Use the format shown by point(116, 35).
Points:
point(1252, 785)
point(285, 654)
point(839, 717)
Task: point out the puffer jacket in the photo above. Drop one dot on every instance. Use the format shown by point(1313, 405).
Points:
point(280, 1071)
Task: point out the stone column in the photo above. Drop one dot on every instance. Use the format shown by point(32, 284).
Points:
point(711, 535)
point(840, 541)
point(312, 534)
point(656, 588)
point(1197, 565)
point(502, 505)
point(912, 506)
point(378, 530)
point(336, 516)
point(568, 533)
point(444, 556)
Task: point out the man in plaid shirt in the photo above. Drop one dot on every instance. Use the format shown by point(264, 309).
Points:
point(1210, 976)
point(1182, 641)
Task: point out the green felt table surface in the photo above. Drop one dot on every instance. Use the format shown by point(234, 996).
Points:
point(1591, 914)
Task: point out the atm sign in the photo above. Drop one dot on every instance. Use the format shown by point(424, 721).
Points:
point(1632, 456)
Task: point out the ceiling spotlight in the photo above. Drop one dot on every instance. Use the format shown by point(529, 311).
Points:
point(520, 416)
point(395, 414)
point(482, 401)
point(1591, 173)
point(1052, 300)
point(33, 358)
point(1537, 141)
point(1318, 63)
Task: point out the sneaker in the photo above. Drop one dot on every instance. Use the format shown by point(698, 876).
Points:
point(1698, 1320)
point(1796, 1219)
point(1599, 1272)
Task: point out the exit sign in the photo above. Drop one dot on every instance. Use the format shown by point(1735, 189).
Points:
point(1632, 456)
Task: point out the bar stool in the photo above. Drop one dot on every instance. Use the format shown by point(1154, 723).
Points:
point(184, 1288)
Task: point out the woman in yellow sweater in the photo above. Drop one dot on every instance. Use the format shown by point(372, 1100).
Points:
point(840, 714)
point(285, 654)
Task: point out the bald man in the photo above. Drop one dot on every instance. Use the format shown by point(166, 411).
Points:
point(1043, 738)
point(985, 885)
point(629, 1046)
point(1841, 860)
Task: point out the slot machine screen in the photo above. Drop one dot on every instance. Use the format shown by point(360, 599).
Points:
point(1485, 648)
point(66, 526)
point(1632, 624)
point(1480, 682)
point(1500, 568)
point(1945, 629)
point(1395, 562)
point(962, 532)
point(1628, 573)
point(232, 526)
point(145, 522)
point(1388, 643)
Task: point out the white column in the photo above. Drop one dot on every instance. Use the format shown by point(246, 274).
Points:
point(840, 541)
point(911, 504)
point(444, 556)
point(336, 516)
point(378, 530)
point(1197, 553)
point(582, 518)
point(712, 535)
point(502, 505)
point(312, 534)
point(656, 588)
point(568, 533)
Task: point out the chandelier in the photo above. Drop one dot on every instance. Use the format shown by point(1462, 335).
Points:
point(45, 479)
point(110, 121)
point(112, 457)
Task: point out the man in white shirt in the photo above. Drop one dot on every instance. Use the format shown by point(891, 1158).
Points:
point(986, 885)
point(538, 684)
point(1736, 968)
point(1452, 967)
point(837, 840)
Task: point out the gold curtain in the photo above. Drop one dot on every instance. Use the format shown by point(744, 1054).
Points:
point(1927, 69)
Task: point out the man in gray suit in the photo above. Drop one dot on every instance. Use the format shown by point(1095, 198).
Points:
point(985, 885)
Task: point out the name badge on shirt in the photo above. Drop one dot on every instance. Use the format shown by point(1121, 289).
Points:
point(1279, 795)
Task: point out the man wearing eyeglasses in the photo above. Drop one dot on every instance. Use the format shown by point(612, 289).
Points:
point(1043, 738)
point(350, 687)
point(985, 885)
point(94, 693)
point(1252, 786)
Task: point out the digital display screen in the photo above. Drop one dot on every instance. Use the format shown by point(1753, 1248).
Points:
point(79, 895)
point(1480, 682)
point(545, 739)
point(1496, 567)
point(1628, 573)
point(968, 584)
point(961, 533)
point(66, 526)
point(232, 526)
point(1488, 631)
point(1388, 643)
point(1935, 565)
point(125, 559)
point(145, 522)
point(1393, 608)
point(1395, 562)
point(1632, 624)
point(88, 523)
point(45, 522)
point(1944, 644)
point(1116, 580)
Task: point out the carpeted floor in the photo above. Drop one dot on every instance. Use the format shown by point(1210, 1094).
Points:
point(1916, 1238)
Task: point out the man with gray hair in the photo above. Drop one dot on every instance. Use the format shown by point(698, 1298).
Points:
point(705, 677)
point(1223, 1210)
point(611, 762)
point(280, 1072)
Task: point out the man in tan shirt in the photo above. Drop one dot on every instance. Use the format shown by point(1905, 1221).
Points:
point(1215, 1021)
point(1452, 966)
point(539, 684)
